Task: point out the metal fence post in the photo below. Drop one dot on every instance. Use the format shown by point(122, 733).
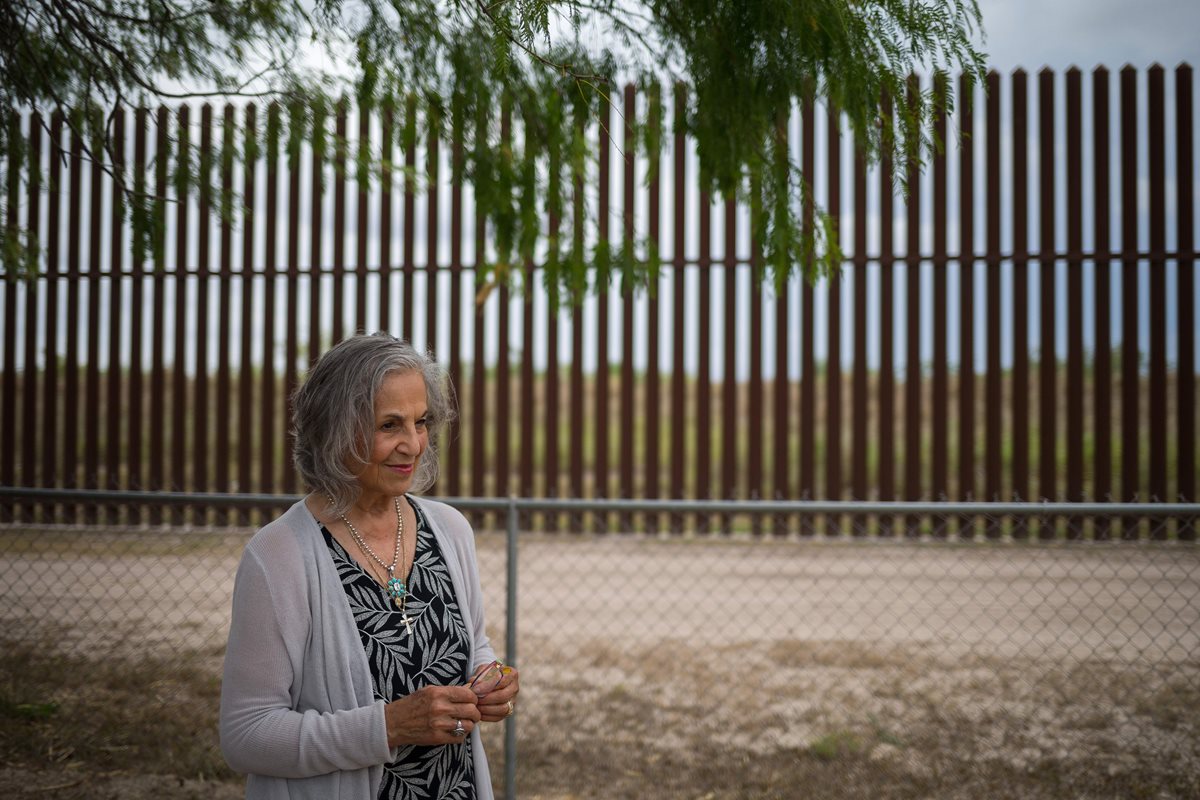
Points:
point(510, 650)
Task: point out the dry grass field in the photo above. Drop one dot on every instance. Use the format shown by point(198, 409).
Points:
point(652, 668)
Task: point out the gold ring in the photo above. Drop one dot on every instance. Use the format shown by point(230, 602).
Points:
point(510, 708)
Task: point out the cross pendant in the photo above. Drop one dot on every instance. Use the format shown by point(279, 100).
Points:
point(407, 623)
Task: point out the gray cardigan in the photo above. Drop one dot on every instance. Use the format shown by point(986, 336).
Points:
point(297, 708)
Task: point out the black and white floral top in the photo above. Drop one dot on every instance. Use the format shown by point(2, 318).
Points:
point(436, 653)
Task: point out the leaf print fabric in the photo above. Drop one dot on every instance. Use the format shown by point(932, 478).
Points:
point(435, 655)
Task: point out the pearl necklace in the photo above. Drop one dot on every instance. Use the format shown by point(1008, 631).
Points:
point(395, 587)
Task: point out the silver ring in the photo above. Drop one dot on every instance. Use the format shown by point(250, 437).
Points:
point(458, 728)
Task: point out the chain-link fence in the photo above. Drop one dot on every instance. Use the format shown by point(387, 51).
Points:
point(825, 650)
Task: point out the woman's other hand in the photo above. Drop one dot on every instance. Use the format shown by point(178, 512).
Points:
point(501, 701)
point(430, 715)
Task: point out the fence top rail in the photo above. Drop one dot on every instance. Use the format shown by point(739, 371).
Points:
point(567, 505)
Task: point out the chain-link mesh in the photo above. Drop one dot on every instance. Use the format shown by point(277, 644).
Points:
point(885, 655)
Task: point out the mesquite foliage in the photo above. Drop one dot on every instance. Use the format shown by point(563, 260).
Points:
point(552, 67)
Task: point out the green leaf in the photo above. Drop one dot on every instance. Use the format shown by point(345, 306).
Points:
point(28, 710)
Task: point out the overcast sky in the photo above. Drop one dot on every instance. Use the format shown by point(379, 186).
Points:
point(1084, 33)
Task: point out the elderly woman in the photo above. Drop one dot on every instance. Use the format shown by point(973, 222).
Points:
point(358, 666)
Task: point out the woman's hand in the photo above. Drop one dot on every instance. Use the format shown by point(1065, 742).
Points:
point(429, 715)
point(500, 701)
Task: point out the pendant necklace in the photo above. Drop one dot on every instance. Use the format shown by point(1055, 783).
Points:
point(395, 587)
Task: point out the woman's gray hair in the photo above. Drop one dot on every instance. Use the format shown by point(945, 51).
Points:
point(333, 413)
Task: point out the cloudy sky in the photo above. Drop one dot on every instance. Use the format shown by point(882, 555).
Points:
point(1061, 33)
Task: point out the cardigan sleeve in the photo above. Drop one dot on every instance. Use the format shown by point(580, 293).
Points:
point(260, 730)
point(462, 536)
point(484, 651)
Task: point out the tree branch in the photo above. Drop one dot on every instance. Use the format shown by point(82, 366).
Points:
point(564, 69)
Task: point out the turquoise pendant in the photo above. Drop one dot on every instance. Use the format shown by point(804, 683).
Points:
point(396, 588)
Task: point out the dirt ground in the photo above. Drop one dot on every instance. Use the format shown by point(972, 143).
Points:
point(736, 668)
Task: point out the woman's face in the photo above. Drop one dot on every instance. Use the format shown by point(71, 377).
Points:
point(400, 436)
